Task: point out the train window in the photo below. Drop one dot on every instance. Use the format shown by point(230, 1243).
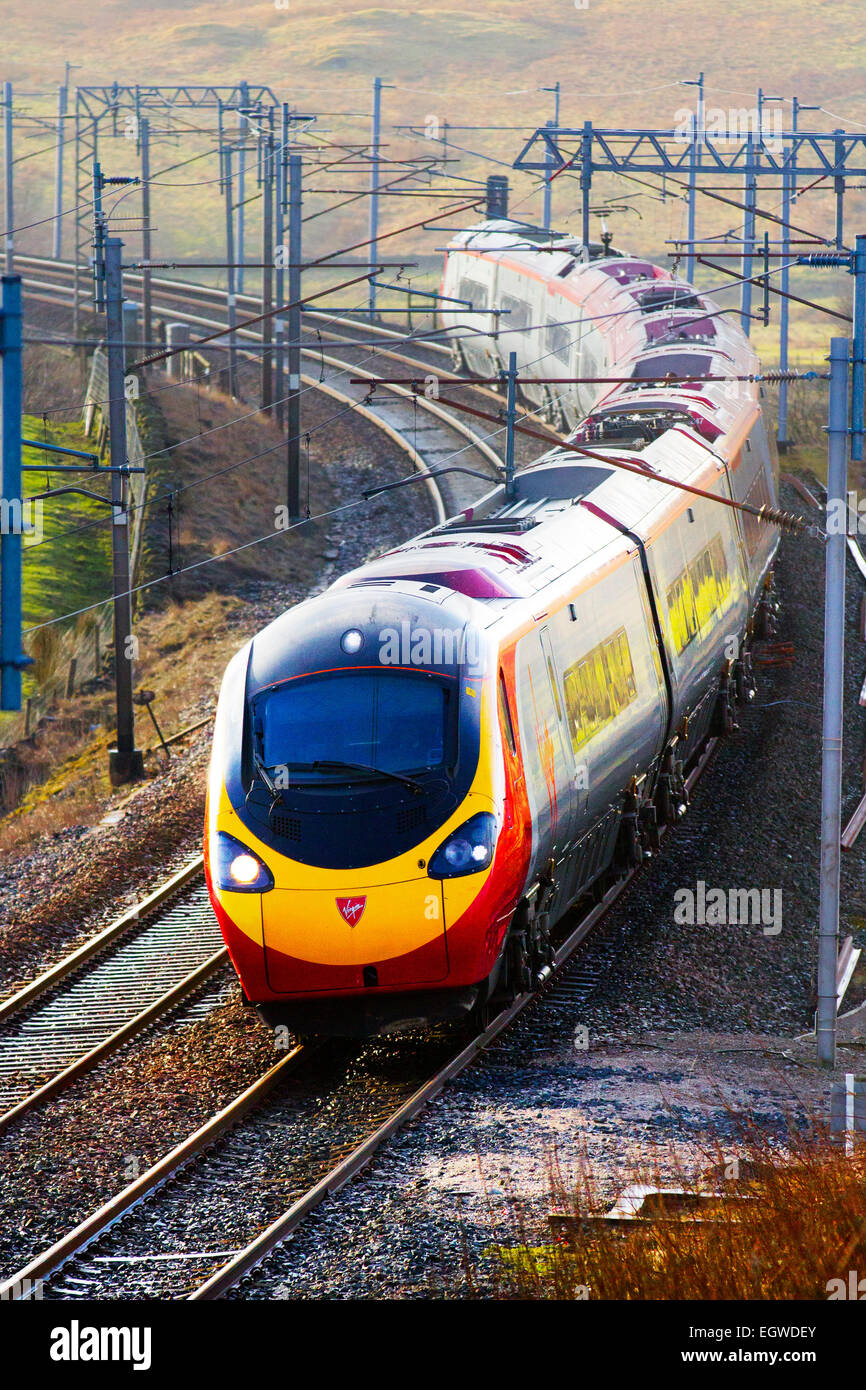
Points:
point(558, 340)
point(389, 720)
point(474, 292)
point(698, 593)
point(676, 364)
point(505, 713)
point(516, 313)
point(599, 687)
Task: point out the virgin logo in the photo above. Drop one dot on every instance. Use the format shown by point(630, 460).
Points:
point(351, 909)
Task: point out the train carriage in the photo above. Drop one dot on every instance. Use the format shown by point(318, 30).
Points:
point(416, 773)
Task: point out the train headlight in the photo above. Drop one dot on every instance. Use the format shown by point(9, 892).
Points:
point(467, 850)
point(237, 869)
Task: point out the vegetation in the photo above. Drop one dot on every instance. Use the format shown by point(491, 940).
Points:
point(787, 1227)
point(70, 567)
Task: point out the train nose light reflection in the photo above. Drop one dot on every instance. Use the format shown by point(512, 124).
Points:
point(236, 869)
point(467, 849)
point(352, 641)
point(244, 868)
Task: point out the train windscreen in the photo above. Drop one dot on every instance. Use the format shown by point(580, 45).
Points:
point(390, 721)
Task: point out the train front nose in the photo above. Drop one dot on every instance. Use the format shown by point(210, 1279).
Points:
point(355, 936)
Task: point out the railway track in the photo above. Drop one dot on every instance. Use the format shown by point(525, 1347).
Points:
point(149, 961)
point(316, 1118)
point(429, 434)
point(296, 1136)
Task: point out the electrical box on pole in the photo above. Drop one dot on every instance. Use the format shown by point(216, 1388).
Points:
point(497, 196)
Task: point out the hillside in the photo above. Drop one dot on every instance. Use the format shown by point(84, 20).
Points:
point(617, 63)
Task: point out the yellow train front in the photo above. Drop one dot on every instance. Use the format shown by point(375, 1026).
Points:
point(354, 811)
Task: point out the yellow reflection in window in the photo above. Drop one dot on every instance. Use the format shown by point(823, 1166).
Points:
point(698, 594)
point(599, 687)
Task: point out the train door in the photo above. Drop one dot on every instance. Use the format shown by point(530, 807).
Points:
point(559, 341)
point(560, 767)
point(474, 288)
point(515, 317)
point(592, 362)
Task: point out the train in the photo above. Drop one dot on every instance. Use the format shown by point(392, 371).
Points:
point(417, 773)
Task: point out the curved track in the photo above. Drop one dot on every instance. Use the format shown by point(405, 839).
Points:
point(296, 1136)
point(429, 433)
point(315, 1119)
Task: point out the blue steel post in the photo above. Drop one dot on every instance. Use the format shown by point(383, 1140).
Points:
point(789, 191)
point(510, 421)
point(839, 185)
point(784, 313)
point(12, 657)
point(146, 246)
point(8, 170)
point(293, 403)
point(694, 166)
point(267, 155)
point(693, 191)
point(748, 235)
point(834, 660)
point(858, 376)
point(62, 104)
point(242, 165)
point(231, 273)
point(585, 178)
point(545, 211)
point(279, 236)
point(551, 125)
point(374, 185)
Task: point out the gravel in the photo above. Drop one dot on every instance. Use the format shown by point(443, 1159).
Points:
point(691, 1031)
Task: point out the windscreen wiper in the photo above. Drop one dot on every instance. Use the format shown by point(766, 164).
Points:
point(338, 765)
point(264, 774)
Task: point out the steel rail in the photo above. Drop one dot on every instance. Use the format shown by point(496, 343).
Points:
point(214, 292)
point(76, 1240)
point(56, 973)
point(139, 1021)
point(447, 420)
point(172, 289)
point(258, 1249)
point(58, 1034)
point(21, 1284)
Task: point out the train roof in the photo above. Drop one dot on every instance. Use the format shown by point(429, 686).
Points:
point(506, 234)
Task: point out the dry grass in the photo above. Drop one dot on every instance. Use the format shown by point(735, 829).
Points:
point(615, 69)
point(788, 1225)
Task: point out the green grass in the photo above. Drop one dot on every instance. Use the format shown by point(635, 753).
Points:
point(71, 566)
